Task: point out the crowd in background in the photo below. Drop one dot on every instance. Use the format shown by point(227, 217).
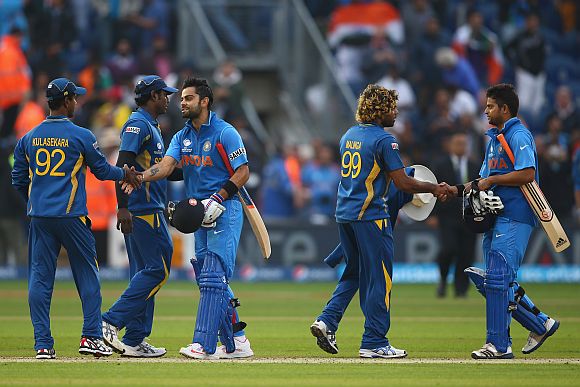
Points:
point(439, 55)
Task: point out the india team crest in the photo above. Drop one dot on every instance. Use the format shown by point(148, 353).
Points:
point(499, 149)
point(206, 146)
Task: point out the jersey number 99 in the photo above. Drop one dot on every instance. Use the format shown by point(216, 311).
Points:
point(351, 164)
point(46, 159)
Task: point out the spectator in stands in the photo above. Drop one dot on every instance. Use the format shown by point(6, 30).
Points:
point(226, 27)
point(456, 70)
point(15, 81)
point(151, 21)
point(392, 80)
point(415, 15)
point(53, 30)
point(320, 178)
point(439, 122)
point(527, 52)
point(566, 109)
point(228, 90)
point(555, 167)
point(480, 46)
point(123, 64)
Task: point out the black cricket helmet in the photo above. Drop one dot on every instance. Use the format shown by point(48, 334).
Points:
point(186, 216)
point(476, 218)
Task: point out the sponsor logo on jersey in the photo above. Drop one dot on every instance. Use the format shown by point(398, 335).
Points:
point(159, 146)
point(395, 146)
point(236, 153)
point(207, 146)
point(132, 129)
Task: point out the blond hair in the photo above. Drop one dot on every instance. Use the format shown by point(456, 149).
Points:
point(374, 102)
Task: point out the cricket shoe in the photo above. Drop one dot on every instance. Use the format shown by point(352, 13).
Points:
point(388, 352)
point(43, 354)
point(325, 338)
point(143, 350)
point(196, 351)
point(488, 351)
point(535, 340)
point(94, 346)
point(111, 337)
point(243, 349)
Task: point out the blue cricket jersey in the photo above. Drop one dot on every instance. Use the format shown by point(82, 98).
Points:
point(497, 162)
point(367, 153)
point(50, 161)
point(204, 171)
point(141, 135)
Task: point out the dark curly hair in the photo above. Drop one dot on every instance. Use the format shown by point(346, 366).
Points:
point(374, 102)
point(201, 88)
point(505, 94)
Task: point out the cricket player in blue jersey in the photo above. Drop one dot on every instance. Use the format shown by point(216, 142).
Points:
point(141, 219)
point(49, 170)
point(206, 177)
point(504, 245)
point(325, 326)
point(370, 160)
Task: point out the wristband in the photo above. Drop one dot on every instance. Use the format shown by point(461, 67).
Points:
point(460, 189)
point(216, 197)
point(230, 187)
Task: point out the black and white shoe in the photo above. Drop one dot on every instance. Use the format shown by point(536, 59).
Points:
point(111, 337)
point(535, 341)
point(43, 354)
point(488, 351)
point(325, 338)
point(94, 346)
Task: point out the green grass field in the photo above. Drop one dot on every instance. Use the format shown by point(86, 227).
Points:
point(438, 334)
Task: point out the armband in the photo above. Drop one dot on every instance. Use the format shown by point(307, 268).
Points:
point(460, 189)
point(230, 187)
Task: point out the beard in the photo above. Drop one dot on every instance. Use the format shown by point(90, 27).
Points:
point(192, 113)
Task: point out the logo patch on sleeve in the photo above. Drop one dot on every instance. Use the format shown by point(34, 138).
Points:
point(395, 146)
point(132, 129)
point(236, 153)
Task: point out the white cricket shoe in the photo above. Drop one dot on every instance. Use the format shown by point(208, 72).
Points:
point(196, 351)
point(143, 350)
point(111, 337)
point(488, 351)
point(325, 338)
point(243, 349)
point(388, 352)
point(535, 341)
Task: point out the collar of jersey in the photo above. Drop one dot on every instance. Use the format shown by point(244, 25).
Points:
point(146, 114)
point(207, 124)
point(493, 132)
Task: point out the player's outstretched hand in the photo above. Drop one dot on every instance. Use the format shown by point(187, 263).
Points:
point(443, 191)
point(132, 179)
point(213, 209)
point(124, 221)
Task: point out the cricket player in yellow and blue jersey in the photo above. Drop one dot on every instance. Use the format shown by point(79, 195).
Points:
point(50, 165)
point(141, 219)
point(207, 179)
point(370, 160)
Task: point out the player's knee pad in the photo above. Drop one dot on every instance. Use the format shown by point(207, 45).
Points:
point(499, 291)
point(197, 265)
point(477, 276)
point(213, 313)
point(527, 314)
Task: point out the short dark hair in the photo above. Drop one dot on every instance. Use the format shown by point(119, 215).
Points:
point(56, 104)
point(505, 94)
point(141, 101)
point(201, 88)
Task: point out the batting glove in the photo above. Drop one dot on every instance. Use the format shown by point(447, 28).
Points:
point(213, 209)
point(490, 202)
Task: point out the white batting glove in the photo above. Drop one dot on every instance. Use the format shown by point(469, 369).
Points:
point(213, 209)
point(492, 203)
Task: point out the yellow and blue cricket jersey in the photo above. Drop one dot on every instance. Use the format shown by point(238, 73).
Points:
point(367, 153)
point(50, 162)
point(141, 135)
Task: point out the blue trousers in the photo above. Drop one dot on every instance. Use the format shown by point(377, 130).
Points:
point(46, 237)
point(150, 249)
point(511, 239)
point(368, 248)
point(223, 240)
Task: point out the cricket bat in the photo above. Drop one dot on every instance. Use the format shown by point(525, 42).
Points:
point(541, 207)
point(254, 217)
